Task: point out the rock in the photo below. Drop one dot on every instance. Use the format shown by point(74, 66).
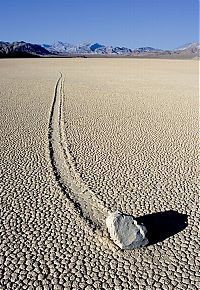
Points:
point(125, 231)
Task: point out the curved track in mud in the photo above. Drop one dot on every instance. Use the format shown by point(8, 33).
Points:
point(86, 204)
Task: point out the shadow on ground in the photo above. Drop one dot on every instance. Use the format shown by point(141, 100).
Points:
point(162, 225)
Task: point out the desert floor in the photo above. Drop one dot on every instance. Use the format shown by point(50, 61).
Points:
point(82, 137)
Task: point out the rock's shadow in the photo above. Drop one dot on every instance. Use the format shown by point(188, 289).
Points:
point(162, 225)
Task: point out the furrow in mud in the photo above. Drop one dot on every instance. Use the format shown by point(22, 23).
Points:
point(83, 199)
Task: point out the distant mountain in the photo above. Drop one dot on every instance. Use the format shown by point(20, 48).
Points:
point(85, 48)
point(96, 46)
point(146, 49)
point(58, 47)
point(183, 46)
point(191, 49)
point(21, 49)
point(62, 48)
point(67, 48)
point(113, 50)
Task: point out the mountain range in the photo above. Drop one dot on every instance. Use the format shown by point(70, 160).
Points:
point(85, 48)
point(24, 49)
point(21, 49)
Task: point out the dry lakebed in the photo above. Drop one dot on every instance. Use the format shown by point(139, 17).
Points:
point(82, 138)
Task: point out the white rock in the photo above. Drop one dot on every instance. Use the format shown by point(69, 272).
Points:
point(125, 231)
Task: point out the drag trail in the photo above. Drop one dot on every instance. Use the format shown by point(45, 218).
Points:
point(83, 199)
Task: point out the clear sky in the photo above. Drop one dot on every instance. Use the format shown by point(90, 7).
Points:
point(132, 23)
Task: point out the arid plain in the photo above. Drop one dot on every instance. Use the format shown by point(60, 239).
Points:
point(82, 137)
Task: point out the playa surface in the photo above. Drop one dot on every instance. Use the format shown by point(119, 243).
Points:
point(105, 134)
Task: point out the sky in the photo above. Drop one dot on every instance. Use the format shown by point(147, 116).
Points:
point(164, 24)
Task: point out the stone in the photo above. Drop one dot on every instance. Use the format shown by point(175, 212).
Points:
point(125, 232)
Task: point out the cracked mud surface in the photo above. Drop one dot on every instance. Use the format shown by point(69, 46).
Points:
point(133, 142)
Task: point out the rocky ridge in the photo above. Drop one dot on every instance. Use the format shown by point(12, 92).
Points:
point(24, 49)
point(21, 49)
point(189, 50)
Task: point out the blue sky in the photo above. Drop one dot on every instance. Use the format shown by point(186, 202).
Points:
point(131, 23)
